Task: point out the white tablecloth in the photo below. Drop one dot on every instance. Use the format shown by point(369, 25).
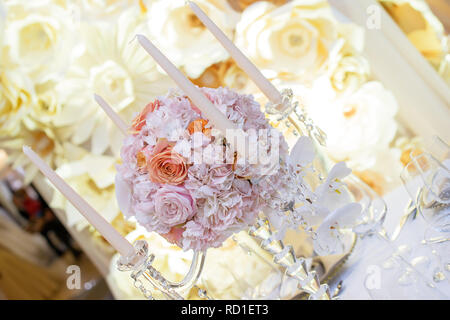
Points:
point(378, 276)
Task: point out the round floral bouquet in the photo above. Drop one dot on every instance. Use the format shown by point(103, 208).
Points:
point(180, 178)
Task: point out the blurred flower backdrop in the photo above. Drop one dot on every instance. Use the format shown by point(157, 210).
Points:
point(55, 54)
point(424, 30)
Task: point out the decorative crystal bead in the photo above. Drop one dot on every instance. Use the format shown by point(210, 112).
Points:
point(287, 108)
point(321, 294)
point(298, 269)
point(202, 293)
point(286, 257)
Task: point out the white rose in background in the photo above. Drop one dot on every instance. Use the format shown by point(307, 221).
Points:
point(291, 40)
point(17, 95)
point(18, 101)
point(38, 37)
point(346, 68)
point(358, 126)
point(110, 64)
point(347, 72)
point(26, 114)
point(183, 38)
point(47, 106)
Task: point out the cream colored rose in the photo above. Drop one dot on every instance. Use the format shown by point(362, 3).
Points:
point(26, 113)
point(293, 39)
point(346, 67)
point(25, 103)
point(39, 36)
point(16, 96)
point(110, 64)
point(183, 38)
point(348, 72)
point(47, 106)
point(358, 126)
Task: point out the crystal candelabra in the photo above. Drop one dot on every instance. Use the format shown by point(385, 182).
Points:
point(146, 278)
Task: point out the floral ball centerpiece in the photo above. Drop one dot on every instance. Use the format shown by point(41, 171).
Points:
point(180, 178)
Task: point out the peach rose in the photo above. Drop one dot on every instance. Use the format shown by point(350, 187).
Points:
point(199, 125)
point(139, 121)
point(167, 166)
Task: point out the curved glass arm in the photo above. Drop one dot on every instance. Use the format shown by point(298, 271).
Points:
point(146, 277)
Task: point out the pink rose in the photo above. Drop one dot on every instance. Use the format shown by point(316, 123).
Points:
point(167, 166)
point(174, 205)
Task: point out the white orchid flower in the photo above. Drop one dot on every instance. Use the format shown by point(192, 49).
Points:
point(302, 153)
point(329, 234)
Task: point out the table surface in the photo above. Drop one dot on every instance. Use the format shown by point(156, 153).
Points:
point(376, 252)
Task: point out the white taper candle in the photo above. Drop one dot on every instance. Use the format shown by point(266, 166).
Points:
point(242, 61)
point(111, 114)
point(217, 118)
point(106, 230)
